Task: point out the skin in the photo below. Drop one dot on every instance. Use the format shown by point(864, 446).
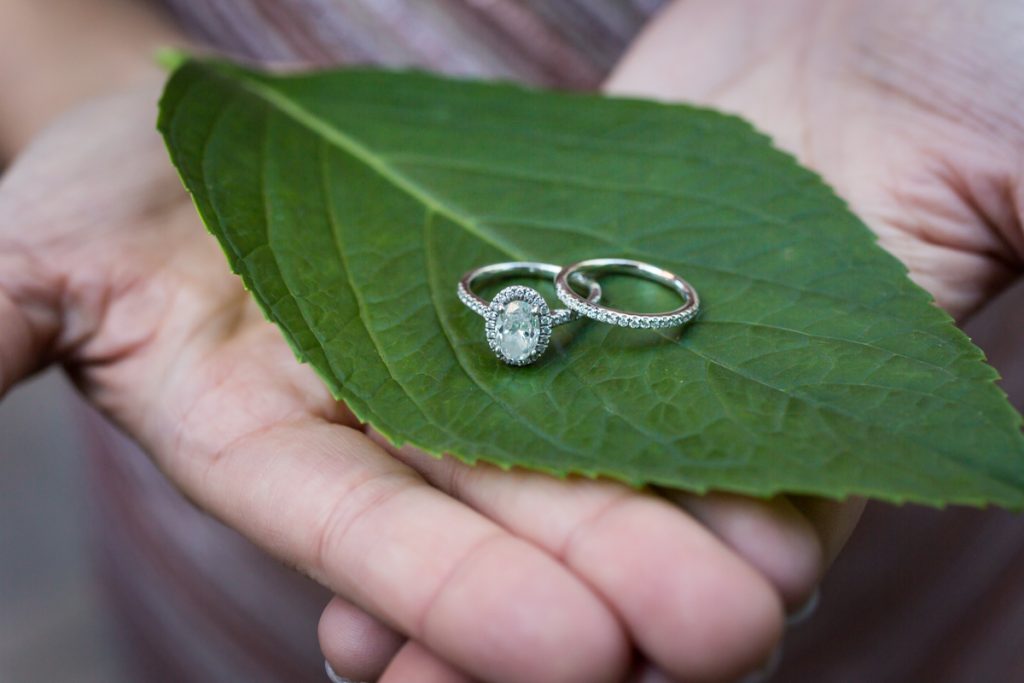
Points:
point(462, 573)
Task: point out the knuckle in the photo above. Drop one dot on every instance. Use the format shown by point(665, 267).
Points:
point(538, 609)
point(359, 502)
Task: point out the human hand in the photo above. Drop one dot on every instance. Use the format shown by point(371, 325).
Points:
point(105, 268)
point(157, 333)
point(909, 110)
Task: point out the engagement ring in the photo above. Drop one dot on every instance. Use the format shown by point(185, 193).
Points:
point(518, 319)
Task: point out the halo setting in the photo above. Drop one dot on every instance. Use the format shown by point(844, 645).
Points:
point(518, 325)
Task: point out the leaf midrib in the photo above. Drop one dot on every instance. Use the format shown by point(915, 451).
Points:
point(433, 205)
point(361, 304)
point(494, 397)
point(367, 156)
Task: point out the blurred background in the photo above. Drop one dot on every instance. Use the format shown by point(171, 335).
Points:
point(53, 625)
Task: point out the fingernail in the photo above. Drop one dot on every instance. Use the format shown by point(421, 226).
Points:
point(335, 678)
point(767, 671)
point(804, 611)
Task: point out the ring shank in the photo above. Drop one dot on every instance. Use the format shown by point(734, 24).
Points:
point(614, 316)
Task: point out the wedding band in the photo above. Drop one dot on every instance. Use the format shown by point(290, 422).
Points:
point(615, 316)
point(518, 319)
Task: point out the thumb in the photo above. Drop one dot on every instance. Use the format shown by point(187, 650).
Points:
point(29, 313)
point(32, 286)
point(58, 203)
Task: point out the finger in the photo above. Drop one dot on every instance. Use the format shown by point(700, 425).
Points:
point(416, 663)
point(691, 605)
point(29, 303)
point(772, 535)
point(647, 673)
point(21, 338)
point(357, 645)
point(326, 499)
point(650, 675)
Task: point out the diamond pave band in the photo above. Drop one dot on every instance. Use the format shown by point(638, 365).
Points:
point(518, 319)
point(614, 316)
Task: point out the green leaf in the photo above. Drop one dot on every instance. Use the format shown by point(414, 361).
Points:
point(351, 202)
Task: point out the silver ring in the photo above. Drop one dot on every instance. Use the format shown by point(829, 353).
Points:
point(518, 319)
point(614, 316)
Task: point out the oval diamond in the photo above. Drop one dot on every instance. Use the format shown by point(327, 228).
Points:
point(517, 330)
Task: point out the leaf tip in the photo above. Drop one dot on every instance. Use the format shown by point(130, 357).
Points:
point(170, 58)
